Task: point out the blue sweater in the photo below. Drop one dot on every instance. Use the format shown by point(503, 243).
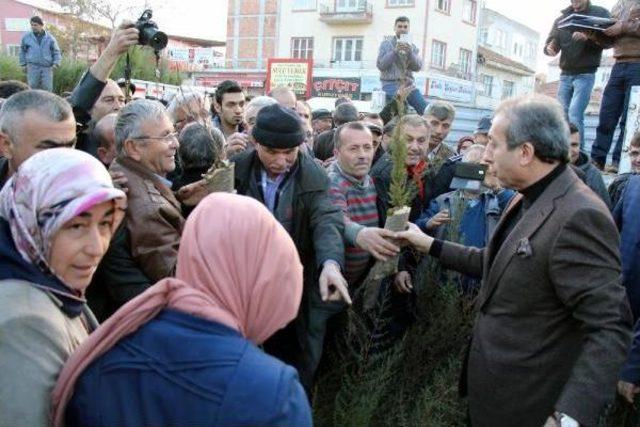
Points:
point(181, 370)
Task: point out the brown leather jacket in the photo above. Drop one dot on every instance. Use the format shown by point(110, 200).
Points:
point(153, 219)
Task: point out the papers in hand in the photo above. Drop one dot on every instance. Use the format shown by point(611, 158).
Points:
point(579, 22)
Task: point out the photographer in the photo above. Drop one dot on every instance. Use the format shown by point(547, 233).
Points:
point(95, 84)
point(397, 59)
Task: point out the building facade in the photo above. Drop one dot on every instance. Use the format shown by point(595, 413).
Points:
point(507, 56)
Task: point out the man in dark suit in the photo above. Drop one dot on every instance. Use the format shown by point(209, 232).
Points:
point(553, 322)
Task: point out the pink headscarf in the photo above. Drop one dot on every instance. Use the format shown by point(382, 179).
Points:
point(236, 265)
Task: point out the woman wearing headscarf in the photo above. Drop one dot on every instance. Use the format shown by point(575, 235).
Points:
point(184, 352)
point(57, 215)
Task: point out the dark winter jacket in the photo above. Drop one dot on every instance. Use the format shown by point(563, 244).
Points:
point(626, 215)
point(593, 178)
point(182, 370)
point(577, 57)
point(314, 224)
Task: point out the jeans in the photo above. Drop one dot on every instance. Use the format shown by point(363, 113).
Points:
point(574, 94)
point(415, 98)
point(39, 77)
point(615, 101)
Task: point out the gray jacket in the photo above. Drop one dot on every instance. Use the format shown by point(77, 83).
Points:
point(44, 53)
point(389, 61)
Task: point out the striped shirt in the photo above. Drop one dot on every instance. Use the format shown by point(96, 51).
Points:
point(357, 200)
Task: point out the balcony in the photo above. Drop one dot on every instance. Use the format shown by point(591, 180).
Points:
point(346, 12)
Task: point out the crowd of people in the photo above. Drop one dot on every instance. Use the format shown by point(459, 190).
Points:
point(134, 295)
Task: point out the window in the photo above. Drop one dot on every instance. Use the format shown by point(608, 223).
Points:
point(438, 54)
point(347, 49)
point(304, 5)
point(443, 5)
point(350, 5)
point(395, 3)
point(531, 50)
point(484, 36)
point(465, 61)
point(302, 47)
point(507, 89)
point(17, 24)
point(469, 11)
point(487, 85)
point(499, 38)
point(13, 49)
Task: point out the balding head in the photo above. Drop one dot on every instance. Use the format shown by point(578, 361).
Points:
point(104, 133)
point(284, 96)
point(111, 100)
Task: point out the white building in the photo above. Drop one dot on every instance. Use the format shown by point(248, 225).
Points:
point(506, 59)
point(342, 37)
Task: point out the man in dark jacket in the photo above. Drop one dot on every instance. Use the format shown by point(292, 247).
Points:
point(579, 60)
point(580, 159)
point(552, 324)
point(295, 189)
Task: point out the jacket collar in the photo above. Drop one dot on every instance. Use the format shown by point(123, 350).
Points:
point(138, 169)
point(530, 222)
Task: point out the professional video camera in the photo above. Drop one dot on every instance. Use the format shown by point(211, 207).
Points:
point(149, 33)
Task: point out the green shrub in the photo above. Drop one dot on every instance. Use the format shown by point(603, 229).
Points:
point(67, 75)
point(10, 68)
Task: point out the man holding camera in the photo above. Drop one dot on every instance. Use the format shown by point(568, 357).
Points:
point(397, 59)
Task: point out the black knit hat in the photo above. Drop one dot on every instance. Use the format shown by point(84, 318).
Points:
point(278, 127)
point(36, 20)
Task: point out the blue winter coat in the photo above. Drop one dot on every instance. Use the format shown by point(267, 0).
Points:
point(45, 53)
point(626, 216)
point(181, 370)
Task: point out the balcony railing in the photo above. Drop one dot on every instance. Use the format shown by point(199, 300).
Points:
point(337, 12)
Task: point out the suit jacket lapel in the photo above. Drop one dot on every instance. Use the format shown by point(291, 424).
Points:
point(530, 222)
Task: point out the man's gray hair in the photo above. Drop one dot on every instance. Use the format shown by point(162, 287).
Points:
point(199, 146)
point(131, 118)
point(258, 103)
point(441, 110)
point(539, 120)
point(474, 153)
point(50, 106)
point(337, 136)
point(345, 113)
point(188, 100)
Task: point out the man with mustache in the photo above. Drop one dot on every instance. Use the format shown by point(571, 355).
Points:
point(415, 131)
point(439, 115)
point(352, 190)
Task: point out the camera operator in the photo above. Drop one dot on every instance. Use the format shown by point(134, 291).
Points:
point(96, 95)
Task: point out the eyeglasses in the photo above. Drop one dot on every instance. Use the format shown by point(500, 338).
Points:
point(173, 136)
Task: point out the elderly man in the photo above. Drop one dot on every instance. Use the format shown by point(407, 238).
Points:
point(31, 121)
point(553, 322)
point(188, 107)
point(295, 189)
point(321, 121)
point(104, 137)
point(353, 191)
point(284, 96)
point(39, 55)
point(415, 131)
point(145, 248)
